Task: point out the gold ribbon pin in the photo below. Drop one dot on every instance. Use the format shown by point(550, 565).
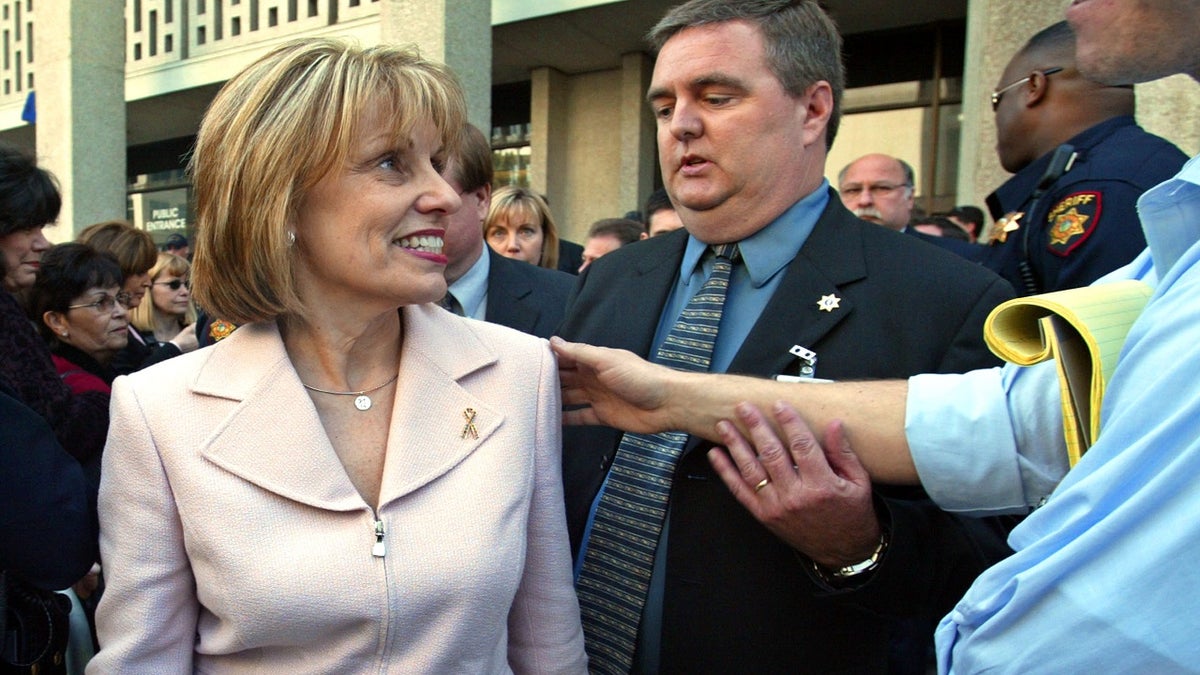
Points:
point(469, 415)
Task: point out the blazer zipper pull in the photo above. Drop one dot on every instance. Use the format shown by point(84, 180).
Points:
point(378, 550)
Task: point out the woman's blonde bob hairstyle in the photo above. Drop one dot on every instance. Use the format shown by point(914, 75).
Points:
point(142, 317)
point(274, 131)
point(524, 204)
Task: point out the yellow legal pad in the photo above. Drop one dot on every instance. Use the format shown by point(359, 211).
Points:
point(1083, 330)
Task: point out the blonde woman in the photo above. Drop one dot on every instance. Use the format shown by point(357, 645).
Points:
point(169, 309)
point(519, 226)
point(355, 480)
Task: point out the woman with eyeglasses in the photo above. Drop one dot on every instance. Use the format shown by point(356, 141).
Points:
point(135, 251)
point(169, 309)
point(79, 307)
point(519, 226)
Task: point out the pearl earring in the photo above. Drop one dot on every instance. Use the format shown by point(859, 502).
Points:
point(64, 333)
point(291, 239)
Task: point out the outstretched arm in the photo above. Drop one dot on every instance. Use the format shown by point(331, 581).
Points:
point(619, 389)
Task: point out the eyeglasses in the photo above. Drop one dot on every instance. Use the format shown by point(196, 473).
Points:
point(174, 284)
point(876, 190)
point(999, 93)
point(106, 303)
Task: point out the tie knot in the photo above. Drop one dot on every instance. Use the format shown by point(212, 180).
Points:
point(726, 251)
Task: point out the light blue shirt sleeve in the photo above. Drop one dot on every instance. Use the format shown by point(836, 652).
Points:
point(1012, 416)
point(1103, 578)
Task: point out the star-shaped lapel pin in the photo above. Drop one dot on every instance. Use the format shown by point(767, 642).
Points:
point(828, 303)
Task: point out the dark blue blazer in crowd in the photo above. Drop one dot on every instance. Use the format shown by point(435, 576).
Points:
point(48, 528)
point(525, 297)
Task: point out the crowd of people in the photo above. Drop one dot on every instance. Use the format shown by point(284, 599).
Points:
point(754, 441)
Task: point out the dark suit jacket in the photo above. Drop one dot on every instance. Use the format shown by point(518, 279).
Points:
point(47, 507)
point(526, 297)
point(972, 252)
point(570, 257)
point(737, 599)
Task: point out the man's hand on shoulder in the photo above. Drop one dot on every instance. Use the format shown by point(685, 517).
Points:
point(616, 388)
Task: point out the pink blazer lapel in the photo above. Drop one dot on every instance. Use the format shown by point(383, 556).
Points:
point(436, 422)
point(271, 435)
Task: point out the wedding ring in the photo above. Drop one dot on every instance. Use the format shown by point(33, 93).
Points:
point(762, 484)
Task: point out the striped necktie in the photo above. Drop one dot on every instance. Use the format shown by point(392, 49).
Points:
point(628, 519)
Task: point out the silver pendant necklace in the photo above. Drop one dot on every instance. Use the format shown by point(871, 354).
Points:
point(361, 400)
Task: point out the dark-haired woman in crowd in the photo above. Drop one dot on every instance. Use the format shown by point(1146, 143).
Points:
point(29, 201)
point(79, 307)
point(137, 255)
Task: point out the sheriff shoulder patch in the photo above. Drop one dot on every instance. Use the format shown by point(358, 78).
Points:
point(1071, 222)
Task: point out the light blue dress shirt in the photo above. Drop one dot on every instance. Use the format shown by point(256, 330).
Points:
point(471, 288)
point(1104, 578)
point(765, 256)
point(1013, 417)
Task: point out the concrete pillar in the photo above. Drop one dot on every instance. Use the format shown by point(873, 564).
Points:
point(638, 143)
point(1170, 107)
point(548, 133)
point(994, 33)
point(80, 90)
point(455, 32)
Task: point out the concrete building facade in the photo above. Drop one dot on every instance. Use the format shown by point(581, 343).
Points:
point(109, 93)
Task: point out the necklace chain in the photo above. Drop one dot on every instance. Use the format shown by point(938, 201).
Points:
point(361, 401)
point(351, 393)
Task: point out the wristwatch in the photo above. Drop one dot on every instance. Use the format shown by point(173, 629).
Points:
point(848, 571)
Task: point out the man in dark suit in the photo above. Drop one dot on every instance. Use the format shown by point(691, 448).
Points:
point(491, 287)
point(746, 110)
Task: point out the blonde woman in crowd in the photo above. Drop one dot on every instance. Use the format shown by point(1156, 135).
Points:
point(519, 226)
point(355, 480)
point(169, 308)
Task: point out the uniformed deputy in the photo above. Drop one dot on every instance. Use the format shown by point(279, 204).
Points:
point(1068, 216)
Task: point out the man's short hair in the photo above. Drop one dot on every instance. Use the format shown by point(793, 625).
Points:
point(272, 133)
point(910, 178)
point(625, 230)
point(658, 200)
point(802, 43)
point(472, 167)
point(967, 214)
point(175, 241)
point(1056, 37)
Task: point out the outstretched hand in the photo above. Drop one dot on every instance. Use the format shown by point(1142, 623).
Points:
point(618, 388)
point(816, 498)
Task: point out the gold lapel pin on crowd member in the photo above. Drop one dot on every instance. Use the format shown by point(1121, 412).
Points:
point(469, 429)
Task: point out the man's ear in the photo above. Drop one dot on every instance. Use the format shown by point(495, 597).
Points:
point(818, 108)
point(484, 194)
point(1039, 86)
